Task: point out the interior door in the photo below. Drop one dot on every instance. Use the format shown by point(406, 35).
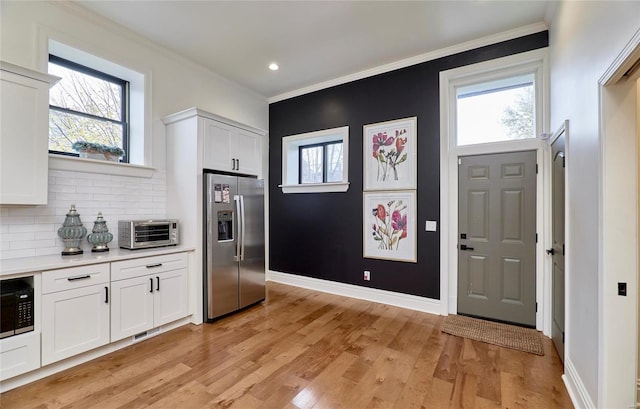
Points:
point(557, 248)
point(497, 237)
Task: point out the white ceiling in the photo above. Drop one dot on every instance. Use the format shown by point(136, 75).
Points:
point(312, 41)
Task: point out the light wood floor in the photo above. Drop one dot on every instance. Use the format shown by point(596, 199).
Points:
point(306, 349)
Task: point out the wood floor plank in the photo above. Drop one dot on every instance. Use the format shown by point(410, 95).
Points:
point(306, 349)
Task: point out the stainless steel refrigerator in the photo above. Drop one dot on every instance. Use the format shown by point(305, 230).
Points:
point(234, 273)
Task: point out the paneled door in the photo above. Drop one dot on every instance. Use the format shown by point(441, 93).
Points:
point(557, 243)
point(497, 237)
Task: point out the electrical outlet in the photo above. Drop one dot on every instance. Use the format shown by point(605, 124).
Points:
point(367, 275)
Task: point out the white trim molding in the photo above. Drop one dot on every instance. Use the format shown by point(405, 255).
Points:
point(537, 62)
point(291, 161)
point(469, 45)
point(575, 387)
point(618, 224)
point(412, 302)
point(104, 167)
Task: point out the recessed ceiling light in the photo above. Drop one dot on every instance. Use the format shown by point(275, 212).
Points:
point(273, 66)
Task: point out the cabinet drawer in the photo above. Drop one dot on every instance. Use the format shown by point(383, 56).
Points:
point(19, 354)
point(121, 270)
point(76, 277)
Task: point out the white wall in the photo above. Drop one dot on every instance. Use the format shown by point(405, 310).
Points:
point(177, 84)
point(585, 38)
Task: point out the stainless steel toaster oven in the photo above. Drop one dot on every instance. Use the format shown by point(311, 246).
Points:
point(139, 234)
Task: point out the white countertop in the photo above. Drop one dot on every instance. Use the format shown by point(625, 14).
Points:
point(55, 261)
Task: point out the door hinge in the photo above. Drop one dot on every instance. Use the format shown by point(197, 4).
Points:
point(563, 249)
point(563, 161)
point(536, 168)
point(563, 337)
point(536, 307)
point(459, 161)
point(536, 237)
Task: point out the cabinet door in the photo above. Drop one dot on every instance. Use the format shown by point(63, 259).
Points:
point(217, 144)
point(246, 150)
point(74, 321)
point(24, 139)
point(170, 296)
point(131, 307)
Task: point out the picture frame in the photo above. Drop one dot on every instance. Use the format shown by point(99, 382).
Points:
point(389, 161)
point(389, 225)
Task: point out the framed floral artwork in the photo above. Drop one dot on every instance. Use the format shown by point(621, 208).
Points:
point(389, 220)
point(390, 155)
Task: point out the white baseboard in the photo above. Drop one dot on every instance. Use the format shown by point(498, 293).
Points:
point(577, 391)
point(411, 302)
point(12, 383)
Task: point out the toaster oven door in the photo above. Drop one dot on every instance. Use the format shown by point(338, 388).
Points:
point(152, 234)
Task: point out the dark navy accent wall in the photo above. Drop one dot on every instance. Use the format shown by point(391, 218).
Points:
point(319, 235)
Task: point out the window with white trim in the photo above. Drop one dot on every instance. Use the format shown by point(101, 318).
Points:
point(316, 161)
point(497, 110)
point(494, 103)
point(87, 106)
point(135, 124)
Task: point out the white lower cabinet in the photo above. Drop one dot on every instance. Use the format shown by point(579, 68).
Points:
point(86, 307)
point(156, 294)
point(74, 321)
point(131, 307)
point(19, 354)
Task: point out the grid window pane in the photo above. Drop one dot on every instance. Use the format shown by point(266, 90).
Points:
point(334, 162)
point(87, 106)
point(499, 111)
point(311, 163)
point(84, 93)
point(66, 128)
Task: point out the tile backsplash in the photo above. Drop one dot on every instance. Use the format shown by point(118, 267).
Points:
point(33, 230)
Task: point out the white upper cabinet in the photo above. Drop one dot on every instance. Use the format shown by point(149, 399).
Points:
point(217, 141)
point(24, 135)
point(230, 149)
point(247, 152)
point(226, 145)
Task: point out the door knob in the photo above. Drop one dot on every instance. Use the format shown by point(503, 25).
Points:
point(464, 247)
point(551, 251)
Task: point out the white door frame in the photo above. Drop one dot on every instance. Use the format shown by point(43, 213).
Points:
point(533, 61)
point(618, 250)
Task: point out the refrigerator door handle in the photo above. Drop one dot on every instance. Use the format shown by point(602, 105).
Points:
point(242, 226)
point(239, 235)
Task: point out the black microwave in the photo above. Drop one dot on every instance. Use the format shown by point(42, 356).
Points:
point(16, 316)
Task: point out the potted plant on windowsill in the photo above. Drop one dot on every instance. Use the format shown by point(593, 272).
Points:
point(98, 151)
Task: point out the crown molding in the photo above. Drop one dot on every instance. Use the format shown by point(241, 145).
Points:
point(432, 55)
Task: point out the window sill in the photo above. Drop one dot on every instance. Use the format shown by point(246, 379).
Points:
point(315, 187)
point(60, 162)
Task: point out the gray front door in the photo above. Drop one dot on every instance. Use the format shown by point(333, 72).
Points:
point(557, 244)
point(497, 237)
